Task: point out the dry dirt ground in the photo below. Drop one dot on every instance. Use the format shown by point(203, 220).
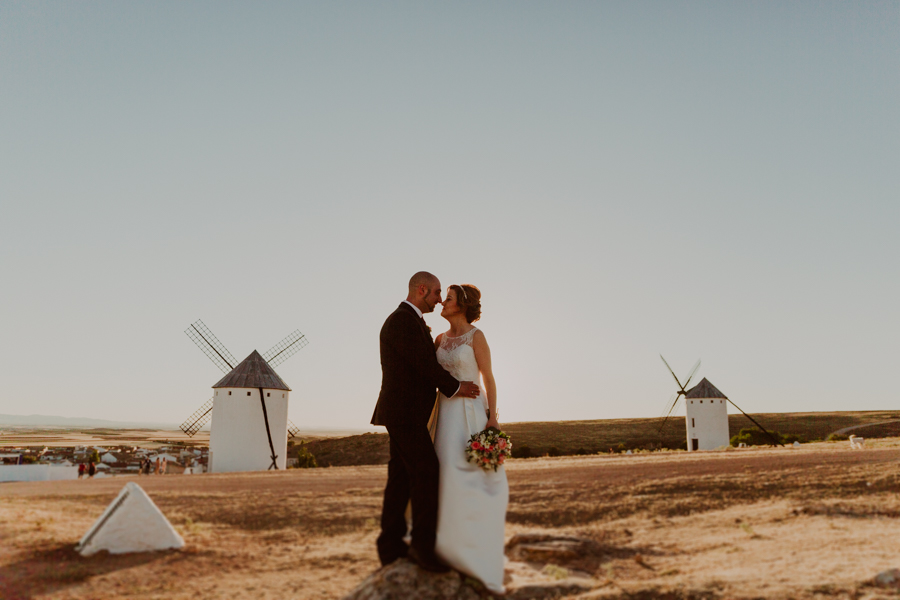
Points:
point(813, 522)
point(60, 437)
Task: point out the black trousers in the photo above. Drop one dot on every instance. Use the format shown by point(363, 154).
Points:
point(413, 474)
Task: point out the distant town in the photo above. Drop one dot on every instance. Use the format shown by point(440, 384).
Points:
point(113, 460)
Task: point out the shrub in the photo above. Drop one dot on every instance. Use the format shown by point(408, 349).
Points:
point(305, 458)
point(522, 452)
point(553, 451)
point(754, 437)
point(837, 437)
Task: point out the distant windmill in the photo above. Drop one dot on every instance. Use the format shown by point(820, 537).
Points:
point(706, 418)
point(236, 441)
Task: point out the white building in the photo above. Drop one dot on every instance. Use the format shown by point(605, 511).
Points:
point(249, 418)
point(707, 417)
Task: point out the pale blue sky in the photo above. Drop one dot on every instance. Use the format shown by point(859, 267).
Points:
point(703, 179)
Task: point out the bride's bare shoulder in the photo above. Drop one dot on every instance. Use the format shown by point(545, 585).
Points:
point(437, 340)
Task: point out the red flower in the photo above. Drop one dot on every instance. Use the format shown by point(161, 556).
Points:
point(476, 446)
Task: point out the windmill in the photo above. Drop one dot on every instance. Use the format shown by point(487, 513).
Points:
point(236, 441)
point(706, 417)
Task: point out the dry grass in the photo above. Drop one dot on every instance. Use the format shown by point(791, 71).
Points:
point(592, 437)
point(775, 523)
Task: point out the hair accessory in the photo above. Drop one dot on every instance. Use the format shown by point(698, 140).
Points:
point(465, 296)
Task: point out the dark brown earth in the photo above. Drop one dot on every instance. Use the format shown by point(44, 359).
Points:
point(818, 521)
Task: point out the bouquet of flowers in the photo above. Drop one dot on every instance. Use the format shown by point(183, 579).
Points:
point(489, 449)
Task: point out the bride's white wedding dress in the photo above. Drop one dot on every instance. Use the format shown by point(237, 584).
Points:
point(472, 501)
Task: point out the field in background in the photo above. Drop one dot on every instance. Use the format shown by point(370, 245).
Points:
point(812, 522)
point(69, 437)
point(567, 438)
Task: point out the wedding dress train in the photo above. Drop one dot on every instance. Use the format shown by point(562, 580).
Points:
point(472, 501)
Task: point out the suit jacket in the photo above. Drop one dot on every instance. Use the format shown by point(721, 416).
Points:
point(410, 372)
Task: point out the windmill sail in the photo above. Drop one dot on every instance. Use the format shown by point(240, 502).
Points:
point(285, 349)
point(673, 402)
point(196, 421)
point(211, 346)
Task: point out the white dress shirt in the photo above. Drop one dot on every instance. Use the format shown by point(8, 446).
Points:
point(421, 316)
point(415, 308)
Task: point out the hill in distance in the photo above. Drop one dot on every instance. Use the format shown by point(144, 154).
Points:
point(592, 437)
point(53, 421)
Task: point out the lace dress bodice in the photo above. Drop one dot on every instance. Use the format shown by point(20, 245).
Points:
point(457, 355)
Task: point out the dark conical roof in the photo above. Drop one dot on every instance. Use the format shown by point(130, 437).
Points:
point(253, 372)
point(705, 389)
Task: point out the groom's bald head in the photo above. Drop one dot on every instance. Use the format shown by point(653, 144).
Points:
point(423, 278)
point(424, 291)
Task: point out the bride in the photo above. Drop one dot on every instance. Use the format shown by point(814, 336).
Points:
point(472, 501)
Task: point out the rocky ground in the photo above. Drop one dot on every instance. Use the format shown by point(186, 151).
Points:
point(820, 521)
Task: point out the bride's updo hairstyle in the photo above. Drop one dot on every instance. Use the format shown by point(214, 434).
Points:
point(469, 299)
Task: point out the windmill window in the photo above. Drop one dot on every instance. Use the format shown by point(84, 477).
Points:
point(248, 393)
point(692, 422)
point(268, 394)
point(282, 395)
point(229, 393)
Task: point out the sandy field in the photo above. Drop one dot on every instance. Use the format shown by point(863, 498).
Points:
point(812, 522)
point(63, 437)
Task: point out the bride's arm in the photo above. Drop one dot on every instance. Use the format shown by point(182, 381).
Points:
point(483, 358)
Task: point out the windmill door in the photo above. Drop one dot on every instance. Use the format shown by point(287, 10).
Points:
point(695, 444)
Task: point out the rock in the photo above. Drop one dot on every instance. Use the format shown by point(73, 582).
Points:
point(552, 589)
point(544, 548)
point(541, 566)
point(889, 578)
point(404, 579)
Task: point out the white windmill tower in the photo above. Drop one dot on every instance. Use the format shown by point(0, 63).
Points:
point(707, 417)
point(249, 407)
point(706, 420)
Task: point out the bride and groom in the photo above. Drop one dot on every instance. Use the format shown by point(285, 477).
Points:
point(458, 509)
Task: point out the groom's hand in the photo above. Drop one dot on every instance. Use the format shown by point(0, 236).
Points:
point(467, 389)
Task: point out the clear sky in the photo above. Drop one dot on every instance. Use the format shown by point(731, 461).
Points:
point(715, 180)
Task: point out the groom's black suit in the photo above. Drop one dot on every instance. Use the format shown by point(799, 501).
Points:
point(410, 375)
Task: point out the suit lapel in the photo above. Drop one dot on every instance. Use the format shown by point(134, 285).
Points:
point(421, 321)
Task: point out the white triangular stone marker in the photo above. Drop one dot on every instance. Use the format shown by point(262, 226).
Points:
point(132, 523)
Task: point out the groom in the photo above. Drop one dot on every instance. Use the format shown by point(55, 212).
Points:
point(410, 374)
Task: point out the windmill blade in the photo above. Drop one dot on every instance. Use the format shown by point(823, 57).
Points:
point(693, 372)
point(771, 437)
point(672, 372)
point(667, 408)
point(211, 346)
point(293, 430)
point(197, 420)
point(674, 403)
point(285, 349)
